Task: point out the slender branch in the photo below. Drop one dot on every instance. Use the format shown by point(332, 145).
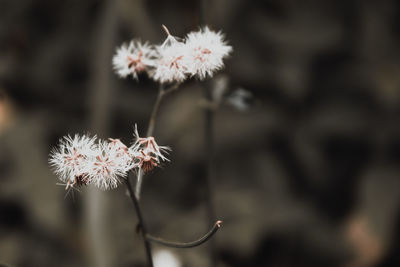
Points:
point(171, 89)
point(136, 196)
point(192, 244)
point(150, 130)
point(139, 180)
point(154, 112)
point(161, 94)
point(141, 222)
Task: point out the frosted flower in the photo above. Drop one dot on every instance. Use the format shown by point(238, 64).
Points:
point(171, 65)
point(133, 58)
point(70, 159)
point(107, 165)
point(148, 152)
point(206, 50)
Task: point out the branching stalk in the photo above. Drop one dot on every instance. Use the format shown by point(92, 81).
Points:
point(161, 94)
point(135, 196)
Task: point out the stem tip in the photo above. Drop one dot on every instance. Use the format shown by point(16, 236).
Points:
point(165, 29)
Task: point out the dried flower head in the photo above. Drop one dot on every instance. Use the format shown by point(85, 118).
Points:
point(119, 150)
point(171, 65)
point(81, 161)
point(146, 161)
point(206, 50)
point(148, 152)
point(110, 162)
point(133, 58)
point(70, 158)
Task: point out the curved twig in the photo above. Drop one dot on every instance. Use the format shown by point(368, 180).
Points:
point(192, 244)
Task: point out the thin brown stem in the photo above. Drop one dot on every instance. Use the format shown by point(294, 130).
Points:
point(161, 94)
point(154, 112)
point(136, 196)
point(143, 231)
point(171, 89)
point(191, 244)
point(139, 180)
point(150, 130)
point(165, 29)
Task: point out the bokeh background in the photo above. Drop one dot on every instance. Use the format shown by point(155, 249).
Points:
point(307, 139)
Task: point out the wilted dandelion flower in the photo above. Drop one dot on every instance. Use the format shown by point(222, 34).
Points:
point(170, 65)
point(70, 158)
point(108, 164)
point(133, 58)
point(206, 50)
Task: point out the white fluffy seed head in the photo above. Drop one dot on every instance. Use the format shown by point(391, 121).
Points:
point(171, 64)
point(133, 58)
point(120, 153)
point(201, 54)
point(70, 158)
point(80, 160)
point(148, 145)
point(107, 166)
point(206, 50)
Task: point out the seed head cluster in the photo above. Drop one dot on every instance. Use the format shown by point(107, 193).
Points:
point(199, 55)
point(148, 152)
point(133, 58)
point(84, 160)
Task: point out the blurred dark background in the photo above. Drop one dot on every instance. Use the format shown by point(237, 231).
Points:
point(307, 134)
